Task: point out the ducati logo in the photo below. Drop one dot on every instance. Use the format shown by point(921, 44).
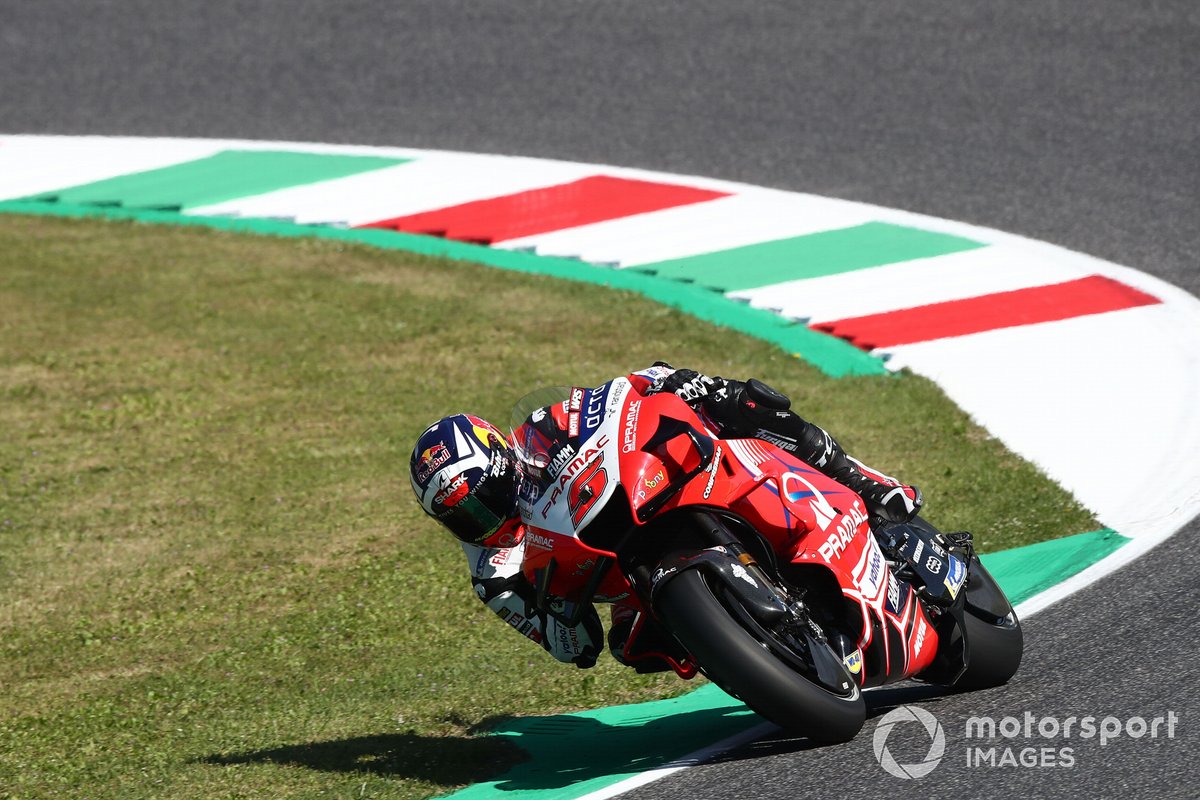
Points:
point(821, 508)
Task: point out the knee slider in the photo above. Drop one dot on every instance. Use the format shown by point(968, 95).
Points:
point(766, 395)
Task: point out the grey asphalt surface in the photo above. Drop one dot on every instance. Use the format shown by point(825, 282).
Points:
point(1073, 122)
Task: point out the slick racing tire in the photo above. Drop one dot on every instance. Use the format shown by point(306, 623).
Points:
point(740, 663)
point(995, 652)
point(993, 632)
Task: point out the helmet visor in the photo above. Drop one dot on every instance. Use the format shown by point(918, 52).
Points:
point(472, 520)
point(481, 513)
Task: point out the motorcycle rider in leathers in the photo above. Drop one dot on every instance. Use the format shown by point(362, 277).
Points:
point(465, 475)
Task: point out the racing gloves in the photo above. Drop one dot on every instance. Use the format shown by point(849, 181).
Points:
point(687, 384)
point(511, 599)
point(578, 645)
point(885, 496)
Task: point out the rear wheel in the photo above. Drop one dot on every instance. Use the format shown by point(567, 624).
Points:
point(744, 659)
point(995, 643)
point(993, 632)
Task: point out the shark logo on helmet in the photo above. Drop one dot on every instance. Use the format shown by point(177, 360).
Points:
point(453, 492)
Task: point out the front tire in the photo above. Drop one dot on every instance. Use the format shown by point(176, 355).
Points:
point(743, 665)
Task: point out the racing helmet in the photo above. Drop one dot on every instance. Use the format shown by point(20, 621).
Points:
point(464, 475)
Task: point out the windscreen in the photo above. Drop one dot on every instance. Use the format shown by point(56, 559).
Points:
point(533, 438)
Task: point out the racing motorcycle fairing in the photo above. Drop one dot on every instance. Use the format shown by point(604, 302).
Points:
point(813, 520)
point(634, 458)
point(646, 643)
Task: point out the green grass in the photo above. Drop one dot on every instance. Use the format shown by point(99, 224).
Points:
point(214, 581)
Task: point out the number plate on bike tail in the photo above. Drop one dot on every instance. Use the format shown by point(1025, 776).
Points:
point(943, 572)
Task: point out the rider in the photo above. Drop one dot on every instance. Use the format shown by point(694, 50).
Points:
point(465, 475)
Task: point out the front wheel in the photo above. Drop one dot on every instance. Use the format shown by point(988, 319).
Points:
point(741, 663)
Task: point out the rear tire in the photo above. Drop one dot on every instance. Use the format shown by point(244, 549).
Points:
point(994, 637)
point(995, 653)
point(743, 666)
point(992, 629)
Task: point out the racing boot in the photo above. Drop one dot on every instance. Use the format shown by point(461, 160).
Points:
point(887, 498)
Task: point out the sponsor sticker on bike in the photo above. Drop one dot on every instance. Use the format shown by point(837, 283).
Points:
point(661, 573)
point(539, 541)
point(593, 411)
point(919, 639)
point(740, 572)
point(894, 594)
point(843, 534)
point(956, 576)
point(560, 460)
point(628, 437)
point(712, 472)
point(574, 406)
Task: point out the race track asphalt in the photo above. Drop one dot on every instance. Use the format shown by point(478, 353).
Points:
point(1072, 122)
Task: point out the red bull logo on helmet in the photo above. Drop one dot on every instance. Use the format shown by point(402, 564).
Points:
point(430, 460)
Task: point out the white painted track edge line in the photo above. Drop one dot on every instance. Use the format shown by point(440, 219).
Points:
point(1128, 553)
point(690, 760)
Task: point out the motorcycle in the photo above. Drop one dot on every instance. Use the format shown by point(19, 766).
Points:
point(763, 573)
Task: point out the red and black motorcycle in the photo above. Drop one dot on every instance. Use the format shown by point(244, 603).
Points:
point(763, 571)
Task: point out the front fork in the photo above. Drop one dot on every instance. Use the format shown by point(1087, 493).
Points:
point(728, 561)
